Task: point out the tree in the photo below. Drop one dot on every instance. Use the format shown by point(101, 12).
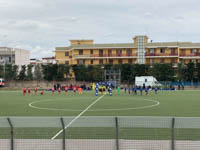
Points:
point(37, 72)
point(49, 72)
point(198, 71)
point(55, 72)
point(30, 72)
point(95, 74)
point(163, 72)
point(80, 72)
point(1, 71)
point(60, 72)
point(14, 72)
point(8, 72)
point(138, 70)
point(189, 74)
point(22, 73)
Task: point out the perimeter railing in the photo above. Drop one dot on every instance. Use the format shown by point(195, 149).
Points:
point(99, 133)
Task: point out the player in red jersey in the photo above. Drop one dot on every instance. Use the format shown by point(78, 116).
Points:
point(29, 91)
point(66, 90)
point(24, 91)
point(101, 90)
point(59, 90)
point(74, 89)
point(35, 91)
point(52, 90)
point(41, 92)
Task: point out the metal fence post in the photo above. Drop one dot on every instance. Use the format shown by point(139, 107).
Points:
point(63, 133)
point(117, 133)
point(11, 134)
point(172, 134)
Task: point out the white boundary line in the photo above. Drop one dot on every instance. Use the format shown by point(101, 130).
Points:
point(77, 116)
point(93, 110)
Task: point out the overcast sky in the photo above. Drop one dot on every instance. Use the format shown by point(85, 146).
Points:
point(42, 25)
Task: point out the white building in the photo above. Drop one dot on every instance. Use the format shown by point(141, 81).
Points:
point(49, 60)
point(43, 61)
point(14, 56)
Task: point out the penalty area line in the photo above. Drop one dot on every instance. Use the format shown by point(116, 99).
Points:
point(59, 132)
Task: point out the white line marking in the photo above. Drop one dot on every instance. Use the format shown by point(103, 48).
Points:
point(77, 117)
point(93, 110)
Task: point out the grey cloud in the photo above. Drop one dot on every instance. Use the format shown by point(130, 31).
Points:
point(40, 25)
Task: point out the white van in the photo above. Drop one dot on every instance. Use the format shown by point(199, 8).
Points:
point(147, 81)
point(2, 82)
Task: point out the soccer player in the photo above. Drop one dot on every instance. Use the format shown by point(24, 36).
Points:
point(141, 90)
point(79, 90)
point(146, 90)
point(110, 90)
point(29, 91)
point(36, 91)
point(52, 90)
point(156, 89)
point(97, 89)
point(59, 90)
point(74, 89)
point(66, 90)
point(129, 90)
point(118, 90)
point(42, 92)
point(135, 90)
point(125, 90)
point(101, 89)
point(24, 91)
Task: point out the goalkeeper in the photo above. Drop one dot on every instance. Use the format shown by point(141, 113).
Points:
point(118, 90)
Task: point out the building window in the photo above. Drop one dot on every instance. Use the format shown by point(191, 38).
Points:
point(194, 61)
point(162, 50)
point(119, 52)
point(91, 62)
point(172, 60)
point(194, 51)
point(151, 61)
point(162, 60)
point(101, 61)
point(109, 52)
point(80, 52)
point(101, 52)
point(66, 53)
point(110, 61)
point(152, 51)
point(119, 61)
point(173, 51)
point(129, 52)
point(81, 62)
point(130, 61)
point(91, 51)
point(67, 62)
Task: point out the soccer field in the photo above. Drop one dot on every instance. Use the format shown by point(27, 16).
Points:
point(83, 130)
point(165, 103)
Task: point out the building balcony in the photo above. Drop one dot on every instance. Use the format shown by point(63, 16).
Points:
point(152, 55)
point(105, 56)
point(192, 55)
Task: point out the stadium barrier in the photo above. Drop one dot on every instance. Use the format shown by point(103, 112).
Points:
point(100, 133)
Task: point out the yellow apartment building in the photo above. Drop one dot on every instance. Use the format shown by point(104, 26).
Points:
point(141, 51)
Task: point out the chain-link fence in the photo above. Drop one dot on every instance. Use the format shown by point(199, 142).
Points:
point(99, 133)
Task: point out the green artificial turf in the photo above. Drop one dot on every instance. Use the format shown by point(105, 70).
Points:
point(171, 103)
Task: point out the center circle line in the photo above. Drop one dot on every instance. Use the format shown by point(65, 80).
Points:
point(156, 103)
